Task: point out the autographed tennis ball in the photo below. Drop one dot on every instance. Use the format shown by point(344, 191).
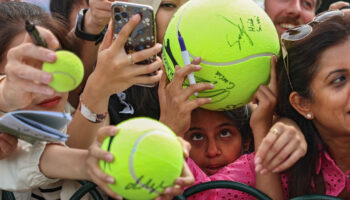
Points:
point(234, 38)
point(67, 71)
point(147, 158)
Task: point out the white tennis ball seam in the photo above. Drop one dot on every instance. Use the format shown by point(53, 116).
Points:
point(218, 64)
point(67, 74)
point(131, 159)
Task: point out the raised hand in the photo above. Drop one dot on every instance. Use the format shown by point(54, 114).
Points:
point(175, 105)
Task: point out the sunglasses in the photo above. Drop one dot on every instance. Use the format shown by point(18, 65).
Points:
point(301, 32)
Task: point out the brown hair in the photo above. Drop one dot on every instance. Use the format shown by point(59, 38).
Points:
point(12, 22)
point(303, 56)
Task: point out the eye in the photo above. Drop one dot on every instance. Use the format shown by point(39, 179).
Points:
point(339, 80)
point(225, 133)
point(168, 5)
point(197, 137)
point(308, 4)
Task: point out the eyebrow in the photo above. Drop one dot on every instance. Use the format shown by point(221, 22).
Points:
point(227, 124)
point(333, 72)
point(194, 128)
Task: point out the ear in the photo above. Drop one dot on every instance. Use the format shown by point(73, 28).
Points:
point(301, 104)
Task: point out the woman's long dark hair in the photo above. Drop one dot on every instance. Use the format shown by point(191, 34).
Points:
point(12, 22)
point(303, 57)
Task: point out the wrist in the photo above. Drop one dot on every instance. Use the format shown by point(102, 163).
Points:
point(96, 89)
point(83, 22)
point(5, 105)
point(82, 169)
point(90, 26)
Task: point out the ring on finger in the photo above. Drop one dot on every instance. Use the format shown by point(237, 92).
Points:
point(131, 61)
point(275, 131)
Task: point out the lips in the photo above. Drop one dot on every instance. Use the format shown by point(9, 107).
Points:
point(48, 103)
point(213, 169)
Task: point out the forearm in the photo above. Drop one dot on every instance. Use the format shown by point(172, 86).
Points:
point(64, 163)
point(82, 132)
point(5, 104)
point(269, 183)
point(87, 52)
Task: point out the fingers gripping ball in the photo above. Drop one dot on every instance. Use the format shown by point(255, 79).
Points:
point(67, 71)
point(148, 158)
point(235, 39)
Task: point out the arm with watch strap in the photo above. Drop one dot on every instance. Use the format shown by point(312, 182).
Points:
point(88, 32)
point(91, 107)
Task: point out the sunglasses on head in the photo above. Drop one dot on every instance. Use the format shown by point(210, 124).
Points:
point(301, 32)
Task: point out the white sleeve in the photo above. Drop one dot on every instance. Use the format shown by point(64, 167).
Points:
point(20, 172)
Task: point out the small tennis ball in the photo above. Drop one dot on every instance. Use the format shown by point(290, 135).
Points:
point(235, 39)
point(147, 158)
point(67, 71)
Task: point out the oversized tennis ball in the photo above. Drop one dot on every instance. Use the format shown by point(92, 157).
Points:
point(67, 71)
point(235, 39)
point(147, 158)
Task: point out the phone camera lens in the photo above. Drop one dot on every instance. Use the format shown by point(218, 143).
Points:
point(117, 17)
point(116, 10)
point(140, 47)
point(124, 15)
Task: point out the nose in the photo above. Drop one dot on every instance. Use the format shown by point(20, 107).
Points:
point(294, 8)
point(213, 149)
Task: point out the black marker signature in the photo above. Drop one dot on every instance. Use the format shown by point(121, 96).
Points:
point(242, 34)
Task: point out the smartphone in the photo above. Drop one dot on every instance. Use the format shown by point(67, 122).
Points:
point(144, 34)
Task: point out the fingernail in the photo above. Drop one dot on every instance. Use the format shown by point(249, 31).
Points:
point(209, 99)
point(159, 45)
point(52, 56)
point(109, 157)
point(113, 130)
point(46, 78)
point(178, 182)
point(110, 179)
point(258, 168)
point(198, 67)
point(55, 43)
point(264, 171)
point(167, 191)
point(135, 17)
point(186, 152)
point(212, 85)
point(275, 170)
point(257, 160)
point(49, 91)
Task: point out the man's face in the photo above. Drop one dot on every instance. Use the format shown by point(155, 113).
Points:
point(287, 14)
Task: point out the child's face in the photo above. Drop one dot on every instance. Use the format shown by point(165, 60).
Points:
point(215, 140)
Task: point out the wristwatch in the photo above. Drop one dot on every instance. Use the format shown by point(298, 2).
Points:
point(79, 32)
point(92, 117)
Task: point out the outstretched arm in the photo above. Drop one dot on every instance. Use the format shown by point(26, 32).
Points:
point(260, 122)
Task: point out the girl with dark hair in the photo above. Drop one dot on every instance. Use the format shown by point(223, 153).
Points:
point(314, 91)
point(222, 142)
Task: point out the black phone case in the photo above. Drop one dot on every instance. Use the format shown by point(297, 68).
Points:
point(143, 36)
